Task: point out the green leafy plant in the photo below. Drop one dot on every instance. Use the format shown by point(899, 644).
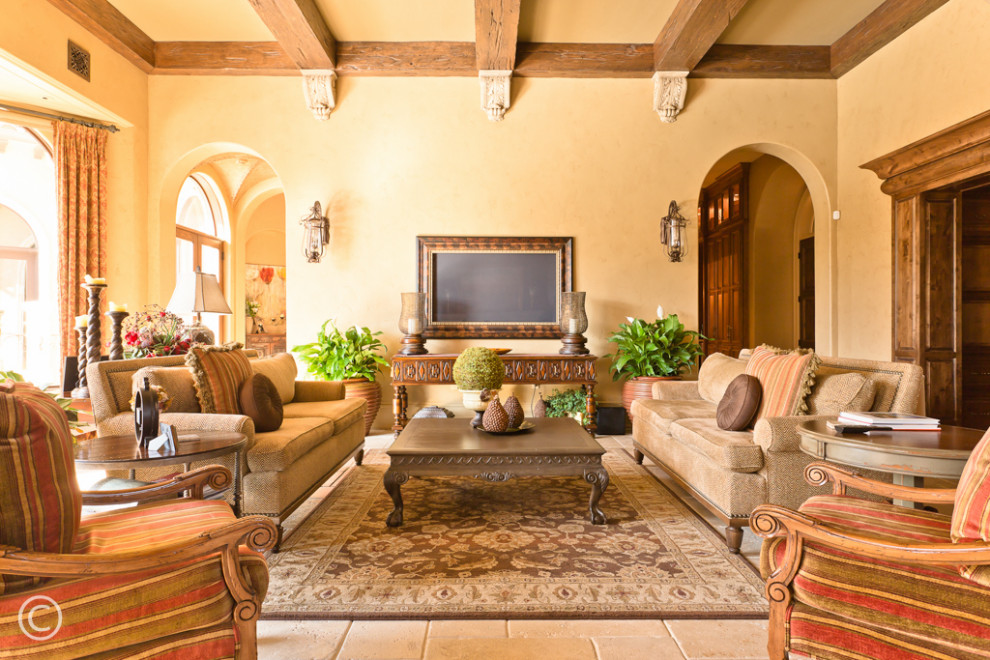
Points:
point(71, 413)
point(566, 403)
point(478, 368)
point(337, 355)
point(659, 348)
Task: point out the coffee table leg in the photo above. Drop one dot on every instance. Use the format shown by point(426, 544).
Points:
point(393, 481)
point(599, 482)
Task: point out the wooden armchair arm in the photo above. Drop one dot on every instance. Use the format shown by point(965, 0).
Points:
point(216, 477)
point(256, 532)
point(819, 474)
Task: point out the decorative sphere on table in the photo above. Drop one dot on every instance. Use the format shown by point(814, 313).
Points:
point(477, 368)
point(495, 418)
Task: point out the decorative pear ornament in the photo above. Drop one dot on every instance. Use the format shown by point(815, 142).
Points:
point(540, 407)
point(515, 412)
point(495, 418)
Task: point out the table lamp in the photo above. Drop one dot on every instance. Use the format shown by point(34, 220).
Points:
point(199, 293)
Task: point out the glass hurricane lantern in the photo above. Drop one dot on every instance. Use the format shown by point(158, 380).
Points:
point(412, 323)
point(573, 322)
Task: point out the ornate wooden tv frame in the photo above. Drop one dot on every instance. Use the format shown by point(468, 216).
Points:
point(536, 369)
point(427, 245)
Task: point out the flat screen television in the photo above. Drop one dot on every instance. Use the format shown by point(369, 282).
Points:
point(493, 286)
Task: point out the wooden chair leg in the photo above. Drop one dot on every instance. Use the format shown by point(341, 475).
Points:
point(638, 455)
point(777, 633)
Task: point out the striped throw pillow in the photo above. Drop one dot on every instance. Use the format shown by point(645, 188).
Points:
point(219, 372)
point(971, 514)
point(40, 502)
point(786, 378)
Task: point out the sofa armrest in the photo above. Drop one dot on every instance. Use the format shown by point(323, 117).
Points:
point(318, 390)
point(676, 390)
point(779, 434)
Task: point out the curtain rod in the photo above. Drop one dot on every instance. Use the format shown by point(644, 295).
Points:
point(71, 120)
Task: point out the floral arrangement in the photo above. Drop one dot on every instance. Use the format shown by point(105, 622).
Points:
point(154, 332)
point(251, 308)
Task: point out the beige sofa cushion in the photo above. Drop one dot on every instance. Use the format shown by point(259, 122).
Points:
point(279, 449)
point(281, 370)
point(834, 393)
point(717, 371)
point(343, 412)
point(177, 382)
point(732, 450)
point(660, 414)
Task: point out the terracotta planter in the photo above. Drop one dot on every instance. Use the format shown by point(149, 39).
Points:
point(640, 387)
point(362, 388)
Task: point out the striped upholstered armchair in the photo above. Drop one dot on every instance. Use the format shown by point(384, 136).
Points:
point(855, 578)
point(167, 578)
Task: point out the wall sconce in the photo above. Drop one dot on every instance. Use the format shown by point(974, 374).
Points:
point(672, 234)
point(316, 234)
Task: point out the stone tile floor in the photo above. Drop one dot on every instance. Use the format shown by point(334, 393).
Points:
point(516, 639)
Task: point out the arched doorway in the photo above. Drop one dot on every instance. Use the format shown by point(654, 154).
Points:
point(29, 331)
point(764, 262)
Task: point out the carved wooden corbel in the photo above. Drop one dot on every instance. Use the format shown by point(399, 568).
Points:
point(669, 90)
point(319, 87)
point(495, 86)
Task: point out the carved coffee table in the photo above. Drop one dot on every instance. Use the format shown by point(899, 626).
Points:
point(450, 447)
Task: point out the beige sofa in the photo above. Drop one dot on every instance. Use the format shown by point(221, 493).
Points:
point(731, 473)
point(320, 432)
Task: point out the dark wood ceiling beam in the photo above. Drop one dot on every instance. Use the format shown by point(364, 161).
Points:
point(301, 30)
point(496, 29)
point(744, 61)
point(114, 29)
point(409, 58)
point(223, 58)
point(887, 22)
point(561, 60)
point(692, 29)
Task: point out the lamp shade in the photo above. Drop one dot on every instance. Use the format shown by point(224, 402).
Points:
point(198, 292)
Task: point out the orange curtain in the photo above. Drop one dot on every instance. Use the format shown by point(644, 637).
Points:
point(81, 164)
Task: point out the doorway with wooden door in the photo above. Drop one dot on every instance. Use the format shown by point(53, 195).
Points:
point(757, 255)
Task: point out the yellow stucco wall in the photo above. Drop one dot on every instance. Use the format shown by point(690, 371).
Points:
point(407, 156)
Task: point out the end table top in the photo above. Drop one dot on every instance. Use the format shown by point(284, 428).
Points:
point(551, 436)
point(950, 442)
point(123, 451)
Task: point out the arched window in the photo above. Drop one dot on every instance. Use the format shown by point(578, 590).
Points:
point(201, 232)
point(29, 331)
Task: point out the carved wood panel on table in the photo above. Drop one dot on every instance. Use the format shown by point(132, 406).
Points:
point(535, 369)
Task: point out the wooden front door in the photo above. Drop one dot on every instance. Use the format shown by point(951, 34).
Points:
point(724, 222)
point(806, 293)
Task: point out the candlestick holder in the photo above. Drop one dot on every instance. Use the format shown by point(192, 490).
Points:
point(81, 391)
point(573, 322)
point(94, 336)
point(116, 345)
point(412, 323)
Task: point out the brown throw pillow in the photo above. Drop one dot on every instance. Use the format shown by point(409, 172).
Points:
point(260, 401)
point(739, 403)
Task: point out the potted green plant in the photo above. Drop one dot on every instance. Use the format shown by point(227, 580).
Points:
point(650, 351)
point(351, 356)
point(476, 370)
point(567, 403)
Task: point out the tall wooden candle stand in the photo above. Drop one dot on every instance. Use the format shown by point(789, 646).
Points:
point(116, 345)
point(94, 336)
point(81, 390)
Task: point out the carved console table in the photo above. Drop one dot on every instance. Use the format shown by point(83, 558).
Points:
point(520, 368)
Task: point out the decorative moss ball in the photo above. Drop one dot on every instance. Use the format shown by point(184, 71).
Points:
point(478, 368)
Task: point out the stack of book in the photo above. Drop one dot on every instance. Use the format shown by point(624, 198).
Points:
point(864, 422)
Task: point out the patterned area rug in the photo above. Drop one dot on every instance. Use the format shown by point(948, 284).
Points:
point(525, 548)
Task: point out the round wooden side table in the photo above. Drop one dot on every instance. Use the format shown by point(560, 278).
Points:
point(909, 456)
point(116, 452)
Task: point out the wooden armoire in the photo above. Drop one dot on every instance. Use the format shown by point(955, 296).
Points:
point(723, 217)
point(941, 266)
